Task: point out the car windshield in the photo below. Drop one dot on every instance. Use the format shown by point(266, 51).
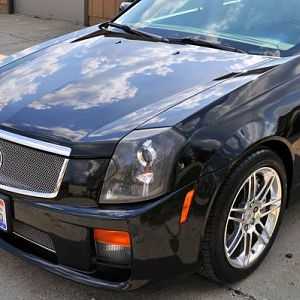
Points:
point(264, 27)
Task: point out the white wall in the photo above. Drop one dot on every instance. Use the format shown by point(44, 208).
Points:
point(68, 10)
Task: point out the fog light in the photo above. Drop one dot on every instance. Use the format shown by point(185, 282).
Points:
point(113, 247)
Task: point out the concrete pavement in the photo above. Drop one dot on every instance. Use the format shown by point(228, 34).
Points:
point(276, 279)
point(19, 32)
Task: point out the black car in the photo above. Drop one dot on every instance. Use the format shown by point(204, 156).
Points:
point(163, 142)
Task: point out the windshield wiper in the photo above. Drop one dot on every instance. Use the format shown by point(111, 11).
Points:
point(205, 43)
point(130, 30)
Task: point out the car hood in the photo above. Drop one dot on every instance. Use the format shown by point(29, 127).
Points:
point(96, 88)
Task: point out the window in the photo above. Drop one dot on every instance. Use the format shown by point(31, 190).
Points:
point(256, 26)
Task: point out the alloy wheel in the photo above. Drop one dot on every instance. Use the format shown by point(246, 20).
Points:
point(253, 217)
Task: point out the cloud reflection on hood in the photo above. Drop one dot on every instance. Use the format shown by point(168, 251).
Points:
point(75, 89)
point(108, 79)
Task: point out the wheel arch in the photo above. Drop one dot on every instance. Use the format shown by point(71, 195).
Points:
point(279, 145)
point(282, 148)
point(287, 157)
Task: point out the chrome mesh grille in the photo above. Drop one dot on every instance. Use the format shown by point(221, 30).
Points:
point(27, 169)
point(33, 235)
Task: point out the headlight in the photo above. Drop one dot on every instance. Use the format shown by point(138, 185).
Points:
point(141, 166)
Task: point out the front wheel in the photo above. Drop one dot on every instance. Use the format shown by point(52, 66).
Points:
point(245, 217)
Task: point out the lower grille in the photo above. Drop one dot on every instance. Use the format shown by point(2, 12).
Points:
point(33, 235)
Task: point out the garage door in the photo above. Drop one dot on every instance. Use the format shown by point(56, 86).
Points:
point(3, 6)
point(68, 10)
point(102, 10)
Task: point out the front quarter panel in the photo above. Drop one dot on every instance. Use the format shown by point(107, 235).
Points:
point(272, 116)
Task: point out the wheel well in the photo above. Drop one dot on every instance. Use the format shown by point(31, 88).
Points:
point(283, 151)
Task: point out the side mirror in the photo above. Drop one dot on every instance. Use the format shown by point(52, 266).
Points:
point(124, 5)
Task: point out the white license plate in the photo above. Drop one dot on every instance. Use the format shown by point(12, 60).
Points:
point(3, 216)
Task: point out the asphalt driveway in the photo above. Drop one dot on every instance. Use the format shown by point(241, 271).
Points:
point(277, 278)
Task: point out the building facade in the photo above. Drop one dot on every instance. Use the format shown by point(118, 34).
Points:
point(86, 12)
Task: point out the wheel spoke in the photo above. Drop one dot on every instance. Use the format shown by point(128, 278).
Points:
point(237, 220)
point(236, 242)
point(251, 192)
point(266, 188)
point(276, 202)
point(260, 238)
point(271, 210)
point(265, 234)
point(239, 210)
point(247, 248)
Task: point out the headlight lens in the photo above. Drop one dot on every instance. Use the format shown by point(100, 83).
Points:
point(141, 166)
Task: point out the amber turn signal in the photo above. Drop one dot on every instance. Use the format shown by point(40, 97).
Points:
point(186, 206)
point(110, 237)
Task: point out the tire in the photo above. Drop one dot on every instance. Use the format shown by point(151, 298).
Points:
point(222, 234)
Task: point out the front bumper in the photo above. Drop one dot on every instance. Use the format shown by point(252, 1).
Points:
point(161, 247)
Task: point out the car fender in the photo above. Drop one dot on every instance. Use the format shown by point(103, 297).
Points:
point(245, 140)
